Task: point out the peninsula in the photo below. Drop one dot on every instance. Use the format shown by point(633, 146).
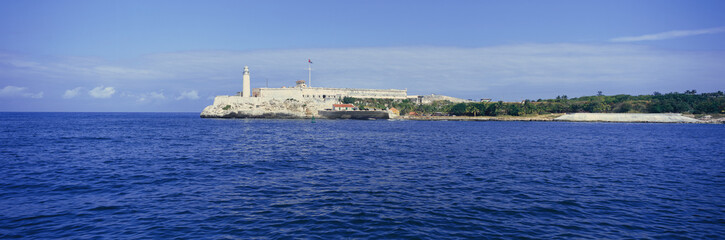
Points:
point(304, 101)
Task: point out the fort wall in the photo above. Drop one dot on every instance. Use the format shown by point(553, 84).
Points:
point(328, 93)
point(238, 100)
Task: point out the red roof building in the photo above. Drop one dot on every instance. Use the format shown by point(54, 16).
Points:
point(343, 107)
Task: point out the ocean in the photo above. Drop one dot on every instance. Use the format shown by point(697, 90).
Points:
point(175, 175)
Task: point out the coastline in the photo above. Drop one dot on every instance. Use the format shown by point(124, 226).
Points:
point(587, 117)
point(531, 118)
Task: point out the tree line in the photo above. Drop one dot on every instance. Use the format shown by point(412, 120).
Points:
point(688, 102)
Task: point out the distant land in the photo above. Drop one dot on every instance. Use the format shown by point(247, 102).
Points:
point(657, 107)
point(706, 107)
point(689, 102)
point(304, 101)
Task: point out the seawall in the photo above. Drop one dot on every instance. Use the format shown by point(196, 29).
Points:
point(359, 114)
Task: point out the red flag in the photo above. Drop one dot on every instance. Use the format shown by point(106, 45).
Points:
point(309, 61)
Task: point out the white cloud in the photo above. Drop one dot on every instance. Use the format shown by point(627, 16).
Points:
point(668, 35)
point(146, 97)
point(13, 91)
point(193, 95)
point(157, 95)
point(71, 93)
point(101, 92)
point(138, 97)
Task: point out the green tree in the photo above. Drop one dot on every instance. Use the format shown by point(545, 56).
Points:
point(458, 109)
point(349, 100)
point(472, 109)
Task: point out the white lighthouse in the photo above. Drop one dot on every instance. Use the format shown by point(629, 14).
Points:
point(246, 91)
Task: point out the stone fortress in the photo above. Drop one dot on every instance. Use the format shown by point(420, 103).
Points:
point(300, 101)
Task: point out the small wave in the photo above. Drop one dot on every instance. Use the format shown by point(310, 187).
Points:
point(64, 188)
point(569, 203)
point(164, 180)
point(106, 208)
point(36, 217)
point(87, 138)
point(544, 210)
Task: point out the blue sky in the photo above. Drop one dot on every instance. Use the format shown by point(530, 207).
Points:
point(177, 55)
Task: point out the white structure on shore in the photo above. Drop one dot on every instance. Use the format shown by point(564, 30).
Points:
point(301, 91)
point(300, 100)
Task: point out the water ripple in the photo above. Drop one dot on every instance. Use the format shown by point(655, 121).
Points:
point(134, 175)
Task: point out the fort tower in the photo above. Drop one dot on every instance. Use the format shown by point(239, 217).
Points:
point(246, 90)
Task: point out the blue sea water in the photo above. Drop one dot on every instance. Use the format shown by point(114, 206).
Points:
point(175, 175)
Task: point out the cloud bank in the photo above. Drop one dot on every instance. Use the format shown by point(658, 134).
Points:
point(509, 72)
point(14, 91)
point(668, 35)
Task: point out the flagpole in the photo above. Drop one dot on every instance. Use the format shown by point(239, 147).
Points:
point(309, 69)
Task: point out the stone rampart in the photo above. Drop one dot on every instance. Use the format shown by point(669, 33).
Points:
point(330, 93)
point(433, 97)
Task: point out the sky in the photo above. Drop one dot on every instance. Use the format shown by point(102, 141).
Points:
point(175, 56)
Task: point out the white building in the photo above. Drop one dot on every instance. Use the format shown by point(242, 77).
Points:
point(302, 92)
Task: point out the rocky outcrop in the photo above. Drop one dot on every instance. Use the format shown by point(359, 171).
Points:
point(240, 107)
point(711, 119)
point(627, 117)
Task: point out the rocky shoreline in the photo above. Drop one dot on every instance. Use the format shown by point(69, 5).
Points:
point(237, 107)
point(225, 107)
point(536, 118)
point(584, 117)
point(627, 117)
